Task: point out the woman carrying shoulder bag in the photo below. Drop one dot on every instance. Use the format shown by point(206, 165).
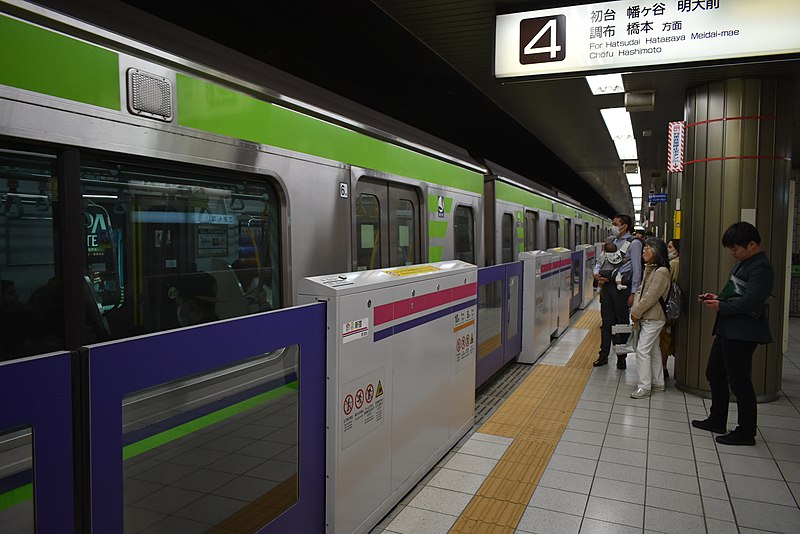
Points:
point(648, 316)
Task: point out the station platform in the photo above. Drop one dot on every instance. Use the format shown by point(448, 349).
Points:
point(560, 447)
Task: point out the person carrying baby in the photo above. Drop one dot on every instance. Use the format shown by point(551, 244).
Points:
point(612, 261)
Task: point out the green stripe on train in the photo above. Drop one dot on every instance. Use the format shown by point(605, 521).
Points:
point(435, 254)
point(147, 444)
point(433, 204)
point(46, 62)
point(213, 108)
point(16, 496)
point(509, 193)
point(437, 229)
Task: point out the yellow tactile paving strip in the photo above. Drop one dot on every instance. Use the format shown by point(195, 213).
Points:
point(535, 416)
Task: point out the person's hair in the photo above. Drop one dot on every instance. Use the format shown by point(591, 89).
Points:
point(740, 233)
point(676, 244)
point(626, 220)
point(659, 250)
point(609, 246)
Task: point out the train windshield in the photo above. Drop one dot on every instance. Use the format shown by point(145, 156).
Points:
point(167, 249)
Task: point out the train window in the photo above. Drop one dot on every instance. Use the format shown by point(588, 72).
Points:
point(567, 233)
point(507, 237)
point(219, 449)
point(404, 232)
point(16, 481)
point(578, 235)
point(586, 233)
point(31, 302)
point(552, 234)
point(386, 225)
point(464, 234)
point(169, 248)
point(368, 232)
point(531, 228)
point(593, 235)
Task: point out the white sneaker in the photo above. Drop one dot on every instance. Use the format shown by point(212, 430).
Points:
point(640, 393)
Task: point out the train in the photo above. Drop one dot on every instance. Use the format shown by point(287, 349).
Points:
point(127, 170)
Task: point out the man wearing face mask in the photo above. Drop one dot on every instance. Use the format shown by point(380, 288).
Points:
point(615, 303)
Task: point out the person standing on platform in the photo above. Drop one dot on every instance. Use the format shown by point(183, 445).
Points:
point(667, 337)
point(615, 303)
point(649, 318)
point(742, 324)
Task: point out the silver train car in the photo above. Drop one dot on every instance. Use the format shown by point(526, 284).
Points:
point(130, 174)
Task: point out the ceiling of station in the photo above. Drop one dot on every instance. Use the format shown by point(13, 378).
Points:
point(562, 112)
point(429, 64)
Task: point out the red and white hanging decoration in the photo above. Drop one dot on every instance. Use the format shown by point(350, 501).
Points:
point(675, 146)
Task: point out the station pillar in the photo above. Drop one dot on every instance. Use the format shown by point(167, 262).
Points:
point(737, 168)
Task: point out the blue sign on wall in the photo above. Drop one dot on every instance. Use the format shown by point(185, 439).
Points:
point(657, 197)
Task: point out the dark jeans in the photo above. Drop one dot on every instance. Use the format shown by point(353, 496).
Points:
point(731, 362)
point(613, 310)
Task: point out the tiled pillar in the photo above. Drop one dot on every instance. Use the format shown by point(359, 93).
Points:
point(737, 167)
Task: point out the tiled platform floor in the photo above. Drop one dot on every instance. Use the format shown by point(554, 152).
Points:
point(625, 465)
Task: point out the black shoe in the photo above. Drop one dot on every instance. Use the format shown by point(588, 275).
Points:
point(599, 362)
point(666, 372)
point(622, 362)
point(708, 424)
point(736, 437)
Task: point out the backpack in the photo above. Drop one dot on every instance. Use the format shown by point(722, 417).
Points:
point(672, 306)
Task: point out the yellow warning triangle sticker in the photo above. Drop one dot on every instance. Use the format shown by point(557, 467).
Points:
point(380, 390)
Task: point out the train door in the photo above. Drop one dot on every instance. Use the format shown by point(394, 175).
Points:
point(552, 234)
point(531, 230)
point(464, 234)
point(578, 235)
point(507, 238)
point(568, 233)
point(387, 225)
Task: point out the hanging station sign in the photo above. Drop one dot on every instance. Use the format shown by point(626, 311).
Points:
point(625, 34)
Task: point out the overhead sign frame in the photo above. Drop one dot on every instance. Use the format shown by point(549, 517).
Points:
point(626, 34)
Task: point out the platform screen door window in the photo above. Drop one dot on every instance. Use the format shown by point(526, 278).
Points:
point(16, 481)
point(507, 238)
point(31, 301)
point(464, 234)
point(490, 318)
point(215, 452)
point(578, 235)
point(174, 247)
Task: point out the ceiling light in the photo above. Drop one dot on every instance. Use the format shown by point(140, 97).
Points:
point(605, 84)
point(634, 178)
point(618, 122)
point(636, 191)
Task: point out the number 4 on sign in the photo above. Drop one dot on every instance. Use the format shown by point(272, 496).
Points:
point(549, 28)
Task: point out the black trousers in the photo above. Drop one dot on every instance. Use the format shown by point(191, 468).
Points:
point(731, 362)
point(613, 310)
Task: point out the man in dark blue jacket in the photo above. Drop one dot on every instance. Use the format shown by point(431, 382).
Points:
point(742, 324)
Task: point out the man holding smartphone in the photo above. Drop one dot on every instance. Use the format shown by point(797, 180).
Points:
point(742, 324)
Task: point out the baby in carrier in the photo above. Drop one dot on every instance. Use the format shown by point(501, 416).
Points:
point(612, 262)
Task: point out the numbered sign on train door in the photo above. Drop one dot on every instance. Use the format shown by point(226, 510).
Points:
point(543, 39)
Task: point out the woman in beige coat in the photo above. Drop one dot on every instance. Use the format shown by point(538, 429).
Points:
point(648, 316)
